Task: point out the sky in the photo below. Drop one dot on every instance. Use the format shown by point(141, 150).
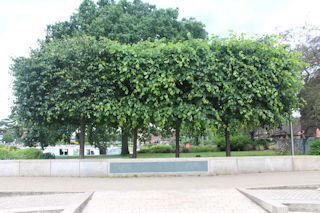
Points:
point(23, 22)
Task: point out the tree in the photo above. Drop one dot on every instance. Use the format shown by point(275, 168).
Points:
point(62, 83)
point(99, 134)
point(306, 39)
point(8, 137)
point(173, 88)
point(252, 80)
point(11, 124)
point(126, 22)
point(48, 135)
point(310, 115)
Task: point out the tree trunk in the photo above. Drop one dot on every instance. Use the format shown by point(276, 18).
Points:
point(252, 135)
point(177, 139)
point(135, 140)
point(228, 149)
point(197, 140)
point(124, 143)
point(102, 151)
point(82, 137)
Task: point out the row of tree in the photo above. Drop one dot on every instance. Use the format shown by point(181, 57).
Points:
point(83, 81)
point(78, 79)
point(123, 21)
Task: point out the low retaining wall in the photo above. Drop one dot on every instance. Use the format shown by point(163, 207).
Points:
point(159, 166)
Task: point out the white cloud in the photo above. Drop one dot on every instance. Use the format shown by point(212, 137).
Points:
point(22, 24)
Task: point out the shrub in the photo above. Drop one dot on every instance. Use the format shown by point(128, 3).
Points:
point(248, 147)
point(11, 152)
point(261, 142)
point(30, 153)
point(315, 147)
point(260, 148)
point(48, 155)
point(237, 143)
point(157, 149)
point(208, 148)
point(5, 154)
point(162, 149)
point(272, 146)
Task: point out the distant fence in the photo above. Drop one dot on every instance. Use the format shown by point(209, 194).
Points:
point(300, 145)
point(149, 167)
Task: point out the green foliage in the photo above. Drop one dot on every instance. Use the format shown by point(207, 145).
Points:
point(8, 137)
point(100, 134)
point(48, 135)
point(261, 142)
point(29, 153)
point(8, 148)
point(126, 22)
point(157, 149)
point(315, 147)
point(196, 84)
point(5, 154)
point(170, 149)
point(237, 143)
point(10, 152)
point(194, 149)
point(47, 155)
point(11, 124)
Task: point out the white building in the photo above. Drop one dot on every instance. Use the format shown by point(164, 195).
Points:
point(73, 150)
point(70, 150)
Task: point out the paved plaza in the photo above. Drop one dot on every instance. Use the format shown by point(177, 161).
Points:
point(170, 201)
point(159, 194)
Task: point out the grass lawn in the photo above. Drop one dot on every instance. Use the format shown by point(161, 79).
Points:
point(184, 155)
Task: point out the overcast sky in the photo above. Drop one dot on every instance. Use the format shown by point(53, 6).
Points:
point(22, 22)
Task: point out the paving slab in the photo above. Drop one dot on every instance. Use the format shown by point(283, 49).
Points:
point(171, 201)
point(38, 201)
point(291, 195)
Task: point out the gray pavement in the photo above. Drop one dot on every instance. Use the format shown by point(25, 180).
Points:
point(43, 201)
point(290, 195)
point(165, 194)
point(76, 184)
point(170, 201)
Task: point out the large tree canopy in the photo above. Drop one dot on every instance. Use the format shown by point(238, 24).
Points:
point(62, 82)
point(222, 82)
point(126, 22)
point(252, 80)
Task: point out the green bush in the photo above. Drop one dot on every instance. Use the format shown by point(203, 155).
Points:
point(6, 147)
point(47, 155)
point(11, 153)
point(5, 154)
point(30, 153)
point(315, 147)
point(237, 143)
point(208, 148)
point(261, 142)
point(157, 149)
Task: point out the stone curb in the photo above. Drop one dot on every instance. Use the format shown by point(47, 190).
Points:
point(7, 193)
point(287, 187)
point(267, 204)
point(54, 209)
point(306, 206)
point(77, 206)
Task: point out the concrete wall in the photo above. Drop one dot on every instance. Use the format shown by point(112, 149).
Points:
point(164, 166)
